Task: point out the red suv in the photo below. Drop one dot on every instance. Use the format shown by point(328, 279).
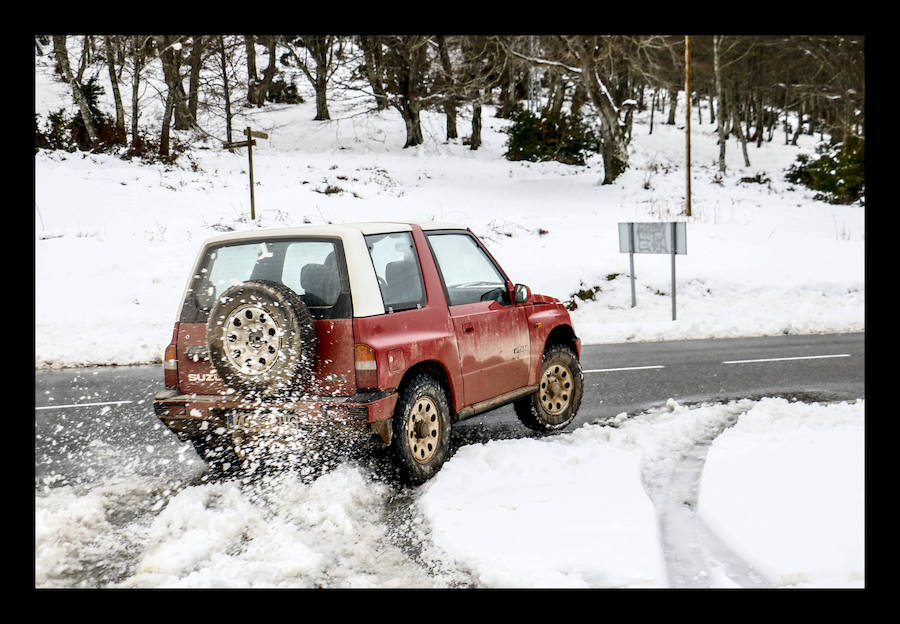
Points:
point(392, 329)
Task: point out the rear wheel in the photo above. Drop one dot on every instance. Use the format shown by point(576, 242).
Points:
point(558, 398)
point(217, 451)
point(421, 429)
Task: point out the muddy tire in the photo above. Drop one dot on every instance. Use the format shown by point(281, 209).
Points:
point(557, 400)
point(420, 440)
point(262, 339)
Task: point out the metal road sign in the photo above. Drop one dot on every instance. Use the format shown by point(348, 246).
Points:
point(653, 238)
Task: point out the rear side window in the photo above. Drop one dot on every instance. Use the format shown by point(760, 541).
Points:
point(397, 267)
point(313, 268)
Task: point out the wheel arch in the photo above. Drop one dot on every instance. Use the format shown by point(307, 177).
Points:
point(434, 369)
point(562, 335)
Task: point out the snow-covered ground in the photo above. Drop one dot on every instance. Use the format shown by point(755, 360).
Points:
point(782, 488)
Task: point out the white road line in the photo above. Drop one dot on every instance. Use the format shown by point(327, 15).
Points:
point(45, 407)
point(629, 368)
point(785, 359)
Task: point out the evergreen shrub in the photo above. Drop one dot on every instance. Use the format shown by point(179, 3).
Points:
point(562, 138)
point(838, 172)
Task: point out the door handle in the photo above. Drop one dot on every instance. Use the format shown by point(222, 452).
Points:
point(468, 328)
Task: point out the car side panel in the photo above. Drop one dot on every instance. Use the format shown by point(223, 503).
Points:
point(494, 348)
point(542, 319)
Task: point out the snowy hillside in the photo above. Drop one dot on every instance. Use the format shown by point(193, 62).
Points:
point(115, 239)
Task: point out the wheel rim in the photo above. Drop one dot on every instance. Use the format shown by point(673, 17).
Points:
point(423, 430)
point(252, 340)
point(556, 389)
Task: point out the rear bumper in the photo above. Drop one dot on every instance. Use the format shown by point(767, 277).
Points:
point(192, 414)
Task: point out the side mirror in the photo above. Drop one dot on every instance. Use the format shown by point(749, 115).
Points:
point(523, 293)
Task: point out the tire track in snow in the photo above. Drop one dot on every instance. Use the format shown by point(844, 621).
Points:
point(695, 557)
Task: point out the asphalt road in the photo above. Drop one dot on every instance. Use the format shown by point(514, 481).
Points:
point(74, 407)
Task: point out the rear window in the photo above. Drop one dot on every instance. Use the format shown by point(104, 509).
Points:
point(313, 268)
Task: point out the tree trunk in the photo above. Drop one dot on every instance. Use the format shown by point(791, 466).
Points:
point(557, 97)
point(799, 124)
point(673, 104)
point(578, 99)
point(475, 141)
point(508, 104)
point(371, 46)
point(195, 61)
point(166, 123)
point(410, 114)
point(447, 83)
point(408, 55)
point(62, 58)
point(613, 148)
point(760, 120)
point(226, 91)
point(250, 47)
point(137, 52)
point(258, 89)
point(720, 99)
point(171, 56)
point(121, 136)
point(321, 50)
point(736, 126)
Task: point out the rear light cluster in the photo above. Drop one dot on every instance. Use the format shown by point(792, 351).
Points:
point(366, 367)
point(170, 366)
point(170, 361)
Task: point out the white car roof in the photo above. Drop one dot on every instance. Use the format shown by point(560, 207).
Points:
point(366, 295)
point(334, 229)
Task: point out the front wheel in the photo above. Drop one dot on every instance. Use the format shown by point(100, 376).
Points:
point(558, 398)
point(421, 429)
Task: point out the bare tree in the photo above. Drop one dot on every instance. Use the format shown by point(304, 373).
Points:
point(406, 61)
point(258, 87)
point(321, 50)
point(138, 44)
point(110, 49)
point(199, 45)
point(373, 68)
point(62, 58)
point(446, 84)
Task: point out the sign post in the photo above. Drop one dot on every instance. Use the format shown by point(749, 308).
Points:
point(655, 238)
point(249, 143)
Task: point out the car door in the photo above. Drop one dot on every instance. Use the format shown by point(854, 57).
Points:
point(492, 334)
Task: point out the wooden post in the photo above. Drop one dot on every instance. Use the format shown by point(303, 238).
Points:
point(687, 125)
point(249, 143)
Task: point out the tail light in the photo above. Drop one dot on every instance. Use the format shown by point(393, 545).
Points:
point(170, 361)
point(170, 366)
point(366, 367)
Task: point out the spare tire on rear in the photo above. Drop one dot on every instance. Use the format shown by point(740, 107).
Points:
point(262, 339)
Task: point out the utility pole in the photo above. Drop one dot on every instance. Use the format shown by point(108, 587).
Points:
point(687, 119)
